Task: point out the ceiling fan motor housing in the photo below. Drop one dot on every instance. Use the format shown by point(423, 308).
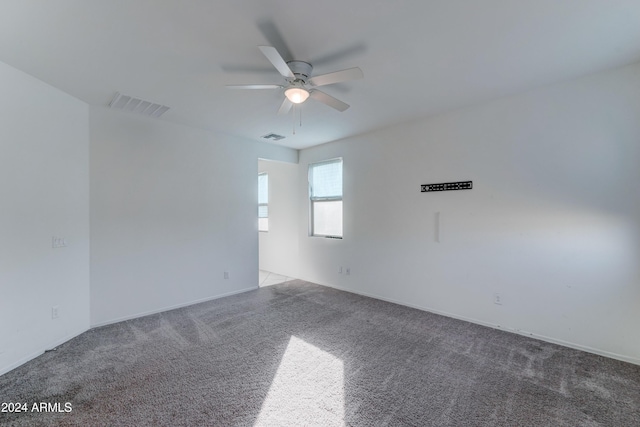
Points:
point(302, 70)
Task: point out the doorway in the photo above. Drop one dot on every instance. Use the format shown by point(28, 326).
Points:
point(278, 220)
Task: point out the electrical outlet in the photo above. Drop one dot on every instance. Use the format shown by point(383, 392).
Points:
point(54, 312)
point(497, 299)
point(348, 271)
point(58, 242)
point(226, 274)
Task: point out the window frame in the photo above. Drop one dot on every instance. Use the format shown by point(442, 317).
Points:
point(313, 200)
point(263, 204)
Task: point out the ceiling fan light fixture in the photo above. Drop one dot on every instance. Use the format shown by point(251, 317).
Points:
point(297, 95)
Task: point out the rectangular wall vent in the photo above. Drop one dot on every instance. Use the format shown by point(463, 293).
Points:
point(137, 105)
point(273, 136)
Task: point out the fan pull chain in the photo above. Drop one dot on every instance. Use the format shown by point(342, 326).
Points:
point(299, 107)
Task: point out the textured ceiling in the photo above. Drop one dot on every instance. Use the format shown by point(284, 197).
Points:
point(418, 57)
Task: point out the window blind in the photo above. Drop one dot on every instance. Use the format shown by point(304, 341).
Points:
point(263, 188)
point(326, 180)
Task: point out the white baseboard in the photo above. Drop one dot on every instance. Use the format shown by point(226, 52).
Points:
point(54, 344)
point(564, 343)
point(22, 361)
point(171, 307)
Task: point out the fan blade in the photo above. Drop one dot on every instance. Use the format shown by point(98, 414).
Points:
point(344, 53)
point(337, 77)
point(274, 57)
point(272, 35)
point(285, 107)
point(246, 69)
point(254, 86)
point(328, 100)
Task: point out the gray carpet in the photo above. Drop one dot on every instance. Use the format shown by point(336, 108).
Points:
point(303, 354)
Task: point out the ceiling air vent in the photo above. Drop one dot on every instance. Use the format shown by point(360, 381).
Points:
point(273, 136)
point(137, 105)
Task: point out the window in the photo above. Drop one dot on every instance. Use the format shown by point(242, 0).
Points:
point(263, 202)
point(325, 194)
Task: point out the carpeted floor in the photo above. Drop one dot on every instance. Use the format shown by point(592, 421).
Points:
point(302, 354)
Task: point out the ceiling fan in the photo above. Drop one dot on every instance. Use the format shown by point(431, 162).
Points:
point(300, 84)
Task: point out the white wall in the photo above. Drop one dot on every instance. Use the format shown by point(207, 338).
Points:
point(172, 209)
point(552, 223)
point(44, 188)
point(279, 246)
